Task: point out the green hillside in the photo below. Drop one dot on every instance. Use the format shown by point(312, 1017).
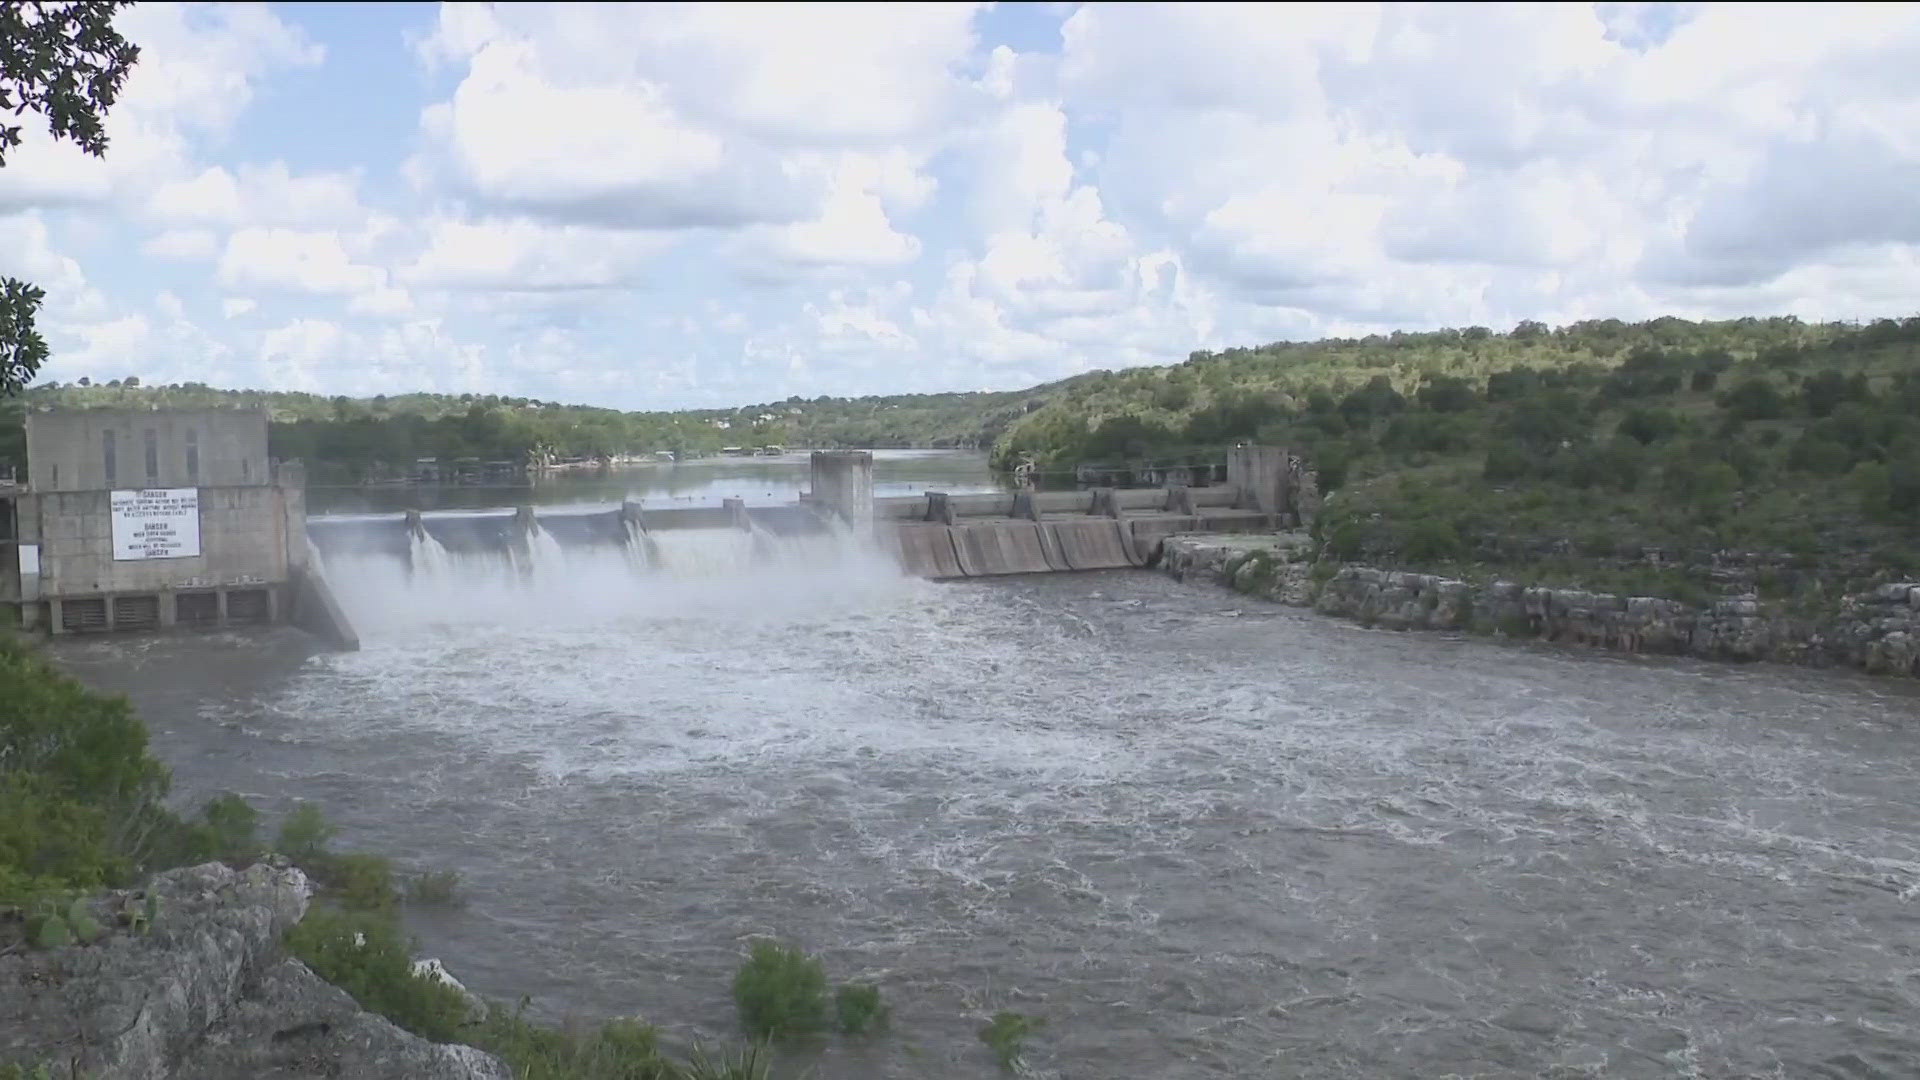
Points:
point(1552, 447)
point(356, 438)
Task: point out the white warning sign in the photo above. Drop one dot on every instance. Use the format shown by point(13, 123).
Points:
point(156, 523)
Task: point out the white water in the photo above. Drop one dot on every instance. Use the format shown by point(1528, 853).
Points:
point(429, 557)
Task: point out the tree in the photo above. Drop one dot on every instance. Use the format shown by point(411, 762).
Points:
point(65, 62)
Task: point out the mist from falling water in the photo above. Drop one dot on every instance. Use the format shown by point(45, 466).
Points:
point(429, 556)
point(655, 575)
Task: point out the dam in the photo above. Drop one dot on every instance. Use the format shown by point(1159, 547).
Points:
point(938, 535)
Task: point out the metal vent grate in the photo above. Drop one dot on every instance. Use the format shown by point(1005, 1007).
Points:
point(84, 616)
point(136, 612)
point(247, 606)
point(196, 608)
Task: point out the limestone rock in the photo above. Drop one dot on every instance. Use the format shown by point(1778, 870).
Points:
point(1878, 631)
point(206, 993)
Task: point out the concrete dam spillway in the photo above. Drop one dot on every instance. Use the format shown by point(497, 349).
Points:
point(938, 536)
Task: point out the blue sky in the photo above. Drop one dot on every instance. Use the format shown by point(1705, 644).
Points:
point(681, 205)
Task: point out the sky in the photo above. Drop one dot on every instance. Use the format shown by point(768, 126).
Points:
point(667, 206)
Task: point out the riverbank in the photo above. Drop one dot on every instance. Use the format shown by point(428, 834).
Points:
point(1876, 631)
point(187, 977)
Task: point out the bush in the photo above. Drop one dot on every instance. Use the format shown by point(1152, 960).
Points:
point(305, 833)
point(1006, 1035)
point(1754, 399)
point(1507, 462)
point(780, 992)
point(360, 882)
point(86, 749)
point(1429, 540)
point(434, 887)
point(49, 844)
point(1645, 426)
point(858, 1009)
point(232, 827)
point(363, 954)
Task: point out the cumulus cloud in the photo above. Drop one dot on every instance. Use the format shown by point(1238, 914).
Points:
point(678, 203)
point(296, 260)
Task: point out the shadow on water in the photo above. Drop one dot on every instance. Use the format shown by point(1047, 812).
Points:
point(1202, 837)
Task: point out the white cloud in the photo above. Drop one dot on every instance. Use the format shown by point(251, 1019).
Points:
point(259, 196)
point(519, 255)
point(182, 244)
point(301, 261)
point(698, 203)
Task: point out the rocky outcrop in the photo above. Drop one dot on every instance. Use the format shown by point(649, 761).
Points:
point(205, 992)
point(1878, 631)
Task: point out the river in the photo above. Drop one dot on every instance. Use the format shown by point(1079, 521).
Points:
point(1201, 836)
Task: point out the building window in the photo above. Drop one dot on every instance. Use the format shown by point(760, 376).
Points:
point(193, 455)
point(106, 446)
point(153, 455)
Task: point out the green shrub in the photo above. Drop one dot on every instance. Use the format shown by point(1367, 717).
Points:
point(1006, 1035)
point(364, 954)
point(620, 1049)
point(435, 887)
point(86, 750)
point(232, 827)
point(1506, 461)
point(780, 991)
point(305, 833)
point(858, 1009)
point(1430, 540)
point(49, 843)
point(360, 882)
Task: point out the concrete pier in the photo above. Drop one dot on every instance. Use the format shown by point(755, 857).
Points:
point(842, 484)
point(1260, 475)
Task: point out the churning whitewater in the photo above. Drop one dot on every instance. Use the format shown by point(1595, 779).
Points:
point(1201, 836)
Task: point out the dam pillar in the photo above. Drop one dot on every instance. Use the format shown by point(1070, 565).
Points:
point(736, 508)
point(939, 507)
point(842, 484)
point(1259, 477)
point(414, 525)
point(632, 517)
point(1024, 508)
point(1104, 504)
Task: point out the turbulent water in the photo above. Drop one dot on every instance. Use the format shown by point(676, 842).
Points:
point(1202, 837)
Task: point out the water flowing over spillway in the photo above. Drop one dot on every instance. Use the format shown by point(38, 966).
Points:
point(1201, 836)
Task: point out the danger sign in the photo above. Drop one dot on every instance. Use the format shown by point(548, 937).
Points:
point(156, 523)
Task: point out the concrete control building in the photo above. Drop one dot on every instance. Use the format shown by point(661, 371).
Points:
point(148, 518)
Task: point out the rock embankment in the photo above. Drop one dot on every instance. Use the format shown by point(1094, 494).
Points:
point(1877, 632)
point(205, 992)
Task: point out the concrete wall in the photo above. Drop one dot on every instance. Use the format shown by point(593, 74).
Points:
point(1260, 474)
point(66, 450)
point(243, 541)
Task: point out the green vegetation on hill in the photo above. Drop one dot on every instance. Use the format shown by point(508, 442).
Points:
point(356, 438)
point(1588, 441)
